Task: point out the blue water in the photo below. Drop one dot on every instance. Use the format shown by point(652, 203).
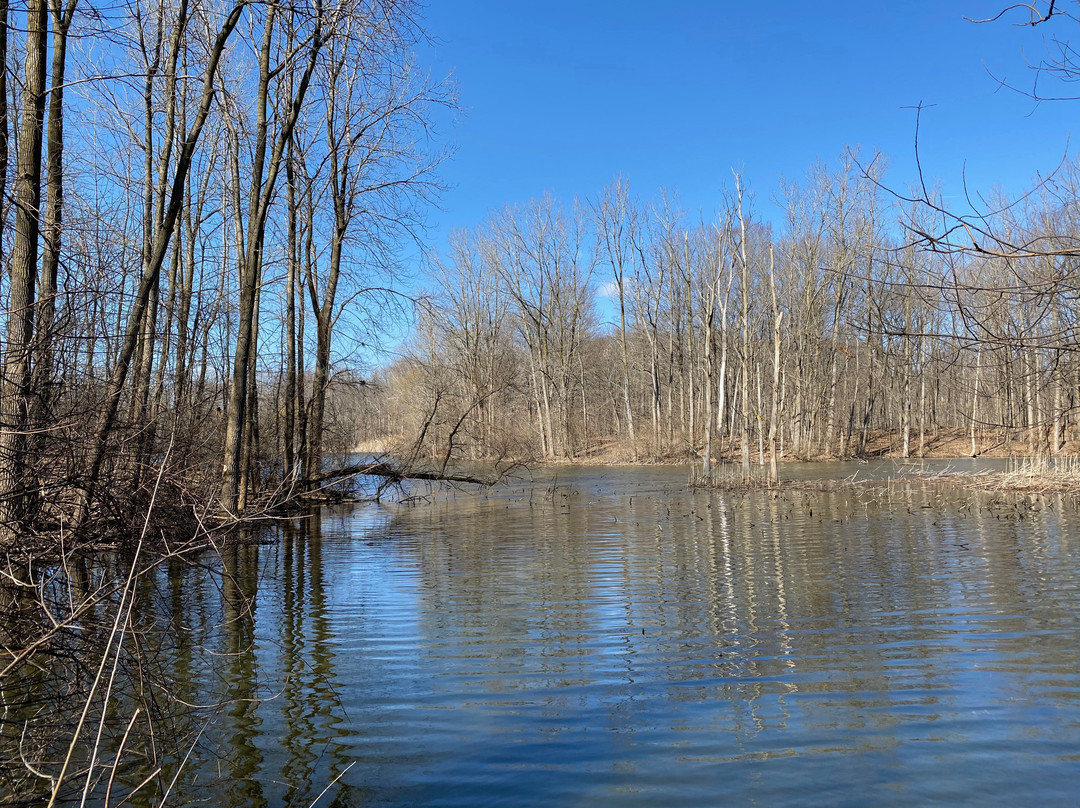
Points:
point(609, 638)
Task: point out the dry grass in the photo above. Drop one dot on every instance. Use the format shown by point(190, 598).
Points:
point(1031, 475)
point(373, 447)
point(1035, 475)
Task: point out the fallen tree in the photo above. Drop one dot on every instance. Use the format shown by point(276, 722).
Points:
point(322, 487)
point(396, 474)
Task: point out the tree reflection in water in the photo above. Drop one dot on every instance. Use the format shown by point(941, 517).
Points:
point(616, 639)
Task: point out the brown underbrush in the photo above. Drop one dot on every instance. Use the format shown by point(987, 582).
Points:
point(941, 444)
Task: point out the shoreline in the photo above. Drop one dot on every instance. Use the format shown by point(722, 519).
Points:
point(947, 444)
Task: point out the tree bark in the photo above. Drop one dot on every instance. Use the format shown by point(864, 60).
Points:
point(17, 396)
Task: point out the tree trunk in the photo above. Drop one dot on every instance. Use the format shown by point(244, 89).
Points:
point(17, 397)
point(263, 176)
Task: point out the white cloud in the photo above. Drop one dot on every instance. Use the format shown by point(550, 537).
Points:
point(608, 289)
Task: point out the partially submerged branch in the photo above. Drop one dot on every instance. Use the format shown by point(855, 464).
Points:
point(396, 474)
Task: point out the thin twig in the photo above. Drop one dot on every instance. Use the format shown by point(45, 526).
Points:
point(331, 784)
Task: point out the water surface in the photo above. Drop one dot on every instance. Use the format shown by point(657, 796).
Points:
point(607, 637)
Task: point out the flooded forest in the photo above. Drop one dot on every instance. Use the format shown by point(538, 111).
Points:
point(200, 260)
point(213, 236)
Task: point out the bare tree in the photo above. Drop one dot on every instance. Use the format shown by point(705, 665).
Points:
point(618, 222)
point(305, 37)
point(16, 389)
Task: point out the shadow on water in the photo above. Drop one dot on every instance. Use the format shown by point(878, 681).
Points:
point(163, 685)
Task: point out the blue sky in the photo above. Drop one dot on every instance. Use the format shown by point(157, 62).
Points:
point(562, 96)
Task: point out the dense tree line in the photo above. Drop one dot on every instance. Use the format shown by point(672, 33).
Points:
point(194, 196)
point(624, 327)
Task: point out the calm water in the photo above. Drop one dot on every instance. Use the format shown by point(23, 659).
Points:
point(609, 638)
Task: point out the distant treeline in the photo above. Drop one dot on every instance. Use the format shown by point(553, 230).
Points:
point(627, 327)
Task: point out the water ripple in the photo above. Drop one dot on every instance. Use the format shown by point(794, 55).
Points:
point(625, 642)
